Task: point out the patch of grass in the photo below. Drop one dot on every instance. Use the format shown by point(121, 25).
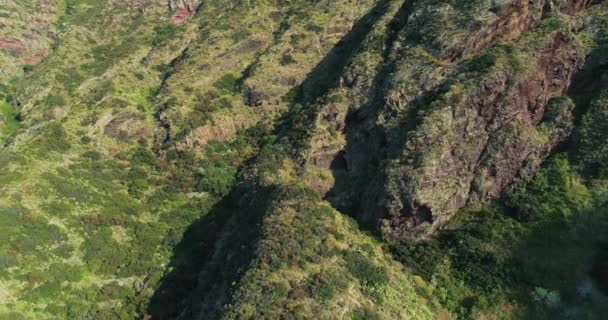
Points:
point(240, 35)
point(8, 119)
point(165, 32)
point(227, 84)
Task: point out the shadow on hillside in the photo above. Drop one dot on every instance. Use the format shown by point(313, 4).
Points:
point(328, 71)
point(216, 249)
point(306, 98)
point(213, 253)
point(588, 80)
point(500, 258)
point(570, 256)
point(356, 168)
point(490, 259)
point(189, 257)
point(565, 256)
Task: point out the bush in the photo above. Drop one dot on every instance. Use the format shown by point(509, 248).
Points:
point(64, 251)
point(240, 35)
point(70, 79)
point(91, 154)
point(227, 84)
point(54, 138)
point(102, 254)
point(546, 297)
point(287, 59)
point(365, 313)
point(325, 284)
point(55, 100)
point(364, 269)
point(143, 156)
point(223, 103)
point(555, 189)
point(162, 33)
point(217, 180)
point(592, 138)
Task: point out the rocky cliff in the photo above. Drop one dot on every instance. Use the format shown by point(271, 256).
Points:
point(265, 159)
point(438, 132)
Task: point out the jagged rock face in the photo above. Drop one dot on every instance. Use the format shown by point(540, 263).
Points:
point(472, 143)
point(422, 145)
point(126, 124)
point(28, 30)
point(573, 6)
point(517, 150)
point(181, 10)
point(222, 128)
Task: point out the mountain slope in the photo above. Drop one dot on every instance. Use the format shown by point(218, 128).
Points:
point(303, 159)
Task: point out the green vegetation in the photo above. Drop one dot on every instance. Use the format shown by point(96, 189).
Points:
point(592, 136)
point(217, 179)
point(556, 190)
point(227, 84)
point(310, 259)
point(163, 33)
point(135, 182)
point(493, 255)
point(8, 119)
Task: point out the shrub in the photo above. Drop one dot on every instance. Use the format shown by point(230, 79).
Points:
point(143, 156)
point(64, 251)
point(91, 154)
point(295, 38)
point(364, 269)
point(314, 28)
point(70, 79)
point(592, 138)
point(223, 103)
point(227, 84)
point(55, 138)
point(55, 100)
point(365, 313)
point(162, 33)
point(555, 189)
point(325, 284)
point(102, 254)
point(240, 35)
point(546, 297)
point(217, 180)
point(287, 59)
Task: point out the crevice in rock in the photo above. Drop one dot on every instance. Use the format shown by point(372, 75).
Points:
point(162, 136)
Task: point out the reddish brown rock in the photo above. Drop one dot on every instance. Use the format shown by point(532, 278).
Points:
point(11, 45)
point(131, 125)
point(471, 147)
point(181, 10)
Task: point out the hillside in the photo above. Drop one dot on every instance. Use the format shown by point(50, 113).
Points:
point(305, 159)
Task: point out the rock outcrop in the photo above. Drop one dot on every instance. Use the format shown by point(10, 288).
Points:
point(425, 140)
point(181, 10)
point(477, 137)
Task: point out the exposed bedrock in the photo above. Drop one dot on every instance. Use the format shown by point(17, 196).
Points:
point(476, 137)
point(425, 140)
